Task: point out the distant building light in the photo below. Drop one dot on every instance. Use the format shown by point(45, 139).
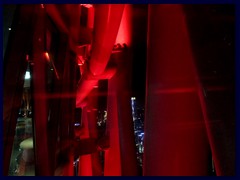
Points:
point(51, 69)
point(9, 29)
point(76, 124)
point(27, 75)
point(133, 98)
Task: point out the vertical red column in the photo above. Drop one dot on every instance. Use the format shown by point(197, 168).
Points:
point(85, 161)
point(120, 159)
point(40, 101)
point(175, 135)
point(125, 120)
point(93, 131)
point(67, 110)
point(122, 151)
point(112, 160)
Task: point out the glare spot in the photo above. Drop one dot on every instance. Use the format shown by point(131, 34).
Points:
point(27, 75)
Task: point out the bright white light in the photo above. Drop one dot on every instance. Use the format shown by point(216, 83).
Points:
point(133, 98)
point(77, 124)
point(27, 75)
point(9, 29)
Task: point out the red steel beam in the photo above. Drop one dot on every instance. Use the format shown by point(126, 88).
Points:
point(175, 141)
point(107, 22)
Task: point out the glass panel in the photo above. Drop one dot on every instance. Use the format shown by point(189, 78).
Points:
point(22, 159)
point(138, 120)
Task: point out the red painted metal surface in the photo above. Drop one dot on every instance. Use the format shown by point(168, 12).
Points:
point(120, 158)
point(112, 159)
point(175, 135)
point(85, 162)
point(106, 24)
point(40, 104)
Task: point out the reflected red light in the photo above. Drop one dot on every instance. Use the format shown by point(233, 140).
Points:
point(47, 56)
point(87, 5)
point(27, 57)
point(42, 6)
point(180, 128)
point(80, 60)
point(124, 32)
point(85, 168)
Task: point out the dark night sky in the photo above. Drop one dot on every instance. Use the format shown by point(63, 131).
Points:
point(139, 51)
point(8, 12)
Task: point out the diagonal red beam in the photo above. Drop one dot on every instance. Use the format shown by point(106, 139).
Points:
point(107, 21)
